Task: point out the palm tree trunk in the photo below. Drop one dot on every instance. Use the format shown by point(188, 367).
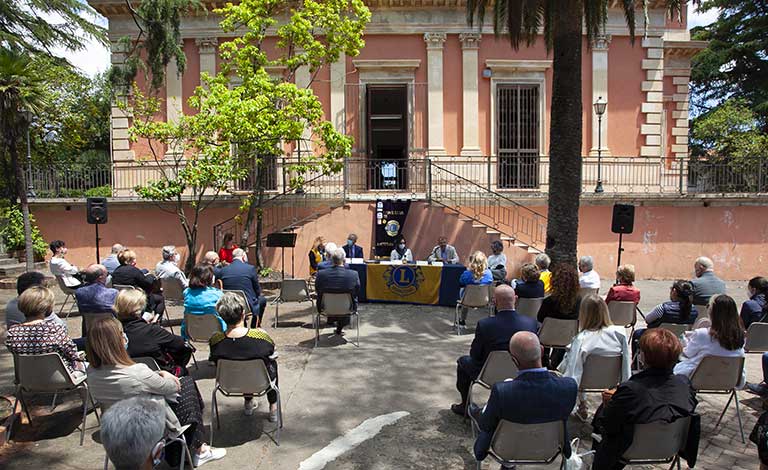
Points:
point(22, 193)
point(565, 134)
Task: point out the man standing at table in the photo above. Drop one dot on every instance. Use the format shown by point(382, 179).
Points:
point(444, 252)
point(351, 250)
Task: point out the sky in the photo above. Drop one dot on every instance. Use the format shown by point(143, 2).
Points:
point(94, 59)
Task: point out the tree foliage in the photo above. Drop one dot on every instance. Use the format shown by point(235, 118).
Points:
point(729, 132)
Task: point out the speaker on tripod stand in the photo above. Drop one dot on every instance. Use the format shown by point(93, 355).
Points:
point(623, 222)
point(96, 214)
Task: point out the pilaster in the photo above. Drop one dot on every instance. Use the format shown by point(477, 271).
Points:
point(600, 89)
point(435, 43)
point(470, 43)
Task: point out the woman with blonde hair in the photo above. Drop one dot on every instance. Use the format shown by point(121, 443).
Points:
point(477, 273)
point(169, 351)
point(316, 254)
point(597, 336)
point(113, 376)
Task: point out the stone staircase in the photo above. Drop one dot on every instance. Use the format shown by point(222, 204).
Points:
point(11, 268)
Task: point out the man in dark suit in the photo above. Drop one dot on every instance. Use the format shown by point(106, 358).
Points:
point(535, 396)
point(239, 275)
point(492, 334)
point(351, 250)
point(337, 279)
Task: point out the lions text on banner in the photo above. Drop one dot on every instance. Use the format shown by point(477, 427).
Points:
point(403, 283)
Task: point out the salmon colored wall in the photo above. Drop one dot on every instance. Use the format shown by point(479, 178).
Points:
point(625, 96)
point(191, 78)
point(322, 89)
point(453, 127)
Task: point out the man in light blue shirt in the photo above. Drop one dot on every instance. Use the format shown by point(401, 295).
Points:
point(111, 262)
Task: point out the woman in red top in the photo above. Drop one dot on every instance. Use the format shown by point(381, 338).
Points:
point(624, 291)
point(225, 252)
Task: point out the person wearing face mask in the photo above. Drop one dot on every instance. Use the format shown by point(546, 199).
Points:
point(168, 268)
point(351, 250)
point(401, 252)
point(61, 267)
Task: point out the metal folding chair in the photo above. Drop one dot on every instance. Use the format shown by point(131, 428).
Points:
point(526, 444)
point(247, 311)
point(622, 314)
point(200, 328)
point(757, 338)
point(657, 442)
point(557, 333)
point(585, 291)
point(600, 373)
point(70, 295)
point(498, 367)
point(676, 328)
point(475, 296)
point(720, 375)
point(291, 290)
point(337, 305)
point(529, 307)
point(148, 361)
point(173, 293)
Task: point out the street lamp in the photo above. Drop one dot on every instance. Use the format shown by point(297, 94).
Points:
point(600, 106)
point(30, 189)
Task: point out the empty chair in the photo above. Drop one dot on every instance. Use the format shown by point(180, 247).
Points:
point(584, 291)
point(337, 305)
point(70, 295)
point(600, 373)
point(475, 296)
point(498, 367)
point(518, 444)
point(757, 338)
point(46, 373)
point(291, 290)
point(173, 290)
point(622, 313)
point(718, 374)
point(557, 333)
point(529, 307)
point(240, 378)
point(657, 442)
point(676, 328)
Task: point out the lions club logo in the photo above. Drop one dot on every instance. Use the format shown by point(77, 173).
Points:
point(392, 227)
point(403, 280)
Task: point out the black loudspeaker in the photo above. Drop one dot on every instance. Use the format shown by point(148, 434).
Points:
point(623, 218)
point(281, 240)
point(96, 210)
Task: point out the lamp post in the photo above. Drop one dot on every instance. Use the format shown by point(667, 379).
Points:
point(600, 106)
point(30, 189)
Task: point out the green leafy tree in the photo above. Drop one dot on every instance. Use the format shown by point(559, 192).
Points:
point(730, 132)
point(562, 22)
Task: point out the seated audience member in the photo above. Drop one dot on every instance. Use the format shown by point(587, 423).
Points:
point(326, 263)
point(113, 376)
point(724, 338)
point(316, 254)
point(337, 280)
point(551, 398)
point(563, 303)
point(351, 250)
point(624, 291)
point(111, 262)
point(756, 308)
point(200, 297)
point(705, 284)
point(542, 262)
point(444, 252)
point(654, 394)
point(497, 262)
point(492, 334)
point(13, 315)
point(477, 273)
point(761, 388)
point(211, 258)
point(226, 251)
point(168, 268)
point(401, 252)
point(597, 336)
point(132, 432)
point(169, 351)
point(678, 309)
point(38, 336)
point(240, 343)
point(239, 275)
point(588, 279)
point(127, 274)
point(60, 267)
point(95, 296)
point(532, 286)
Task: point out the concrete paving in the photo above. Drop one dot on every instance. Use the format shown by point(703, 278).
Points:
point(405, 362)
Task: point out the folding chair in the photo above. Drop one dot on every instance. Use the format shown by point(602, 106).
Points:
point(240, 378)
point(529, 307)
point(291, 290)
point(525, 444)
point(622, 314)
point(676, 328)
point(498, 367)
point(600, 373)
point(173, 293)
point(337, 305)
point(721, 375)
point(148, 361)
point(123, 287)
point(757, 338)
point(248, 312)
point(46, 373)
point(200, 328)
point(91, 318)
point(475, 296)
point(657, 442)
point(584, 291)
point(70, 295)
point(557, 333)
point(703, 310)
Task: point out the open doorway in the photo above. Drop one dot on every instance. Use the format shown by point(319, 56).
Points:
point(387, 107)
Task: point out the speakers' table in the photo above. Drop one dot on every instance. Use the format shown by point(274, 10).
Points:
point(409, 283)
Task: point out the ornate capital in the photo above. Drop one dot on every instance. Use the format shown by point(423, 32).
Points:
point(435, 40)
point(207, 45)
point(469, 40)
point(601, 42)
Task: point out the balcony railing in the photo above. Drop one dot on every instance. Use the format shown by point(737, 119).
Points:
point(364, 178)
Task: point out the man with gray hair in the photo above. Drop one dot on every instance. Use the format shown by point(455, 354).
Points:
point(588, 277)
point(132, 432)
point(94, 297)
point(111, 262)
point(330, 247)
point(239, 275)
point(211, 258)
point(337, 279)
point(535, 396)
point(705, 284)
point(542, 262)
point(168, 268)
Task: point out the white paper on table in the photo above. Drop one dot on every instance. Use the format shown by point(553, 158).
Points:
point(437, 263)
point(388, 262)
point(357, 261)
point(422, 263)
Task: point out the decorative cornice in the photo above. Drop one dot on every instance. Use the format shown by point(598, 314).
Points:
point(601, 42)
point(435, 40)
point(387, 64)
point(506, 65)
point(470, 40)
point(207, 45)
point(683, 49)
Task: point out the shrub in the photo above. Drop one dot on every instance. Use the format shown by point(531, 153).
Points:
point(13, 232)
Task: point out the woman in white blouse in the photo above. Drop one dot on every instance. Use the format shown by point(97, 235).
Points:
point(401, 252)
point(497, 262)
point(598, 336)
point(725, 338)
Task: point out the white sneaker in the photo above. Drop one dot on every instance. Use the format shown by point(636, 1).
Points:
point(249, 406)
point(212, 453)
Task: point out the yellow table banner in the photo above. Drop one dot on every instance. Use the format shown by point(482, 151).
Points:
point(403, 283)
